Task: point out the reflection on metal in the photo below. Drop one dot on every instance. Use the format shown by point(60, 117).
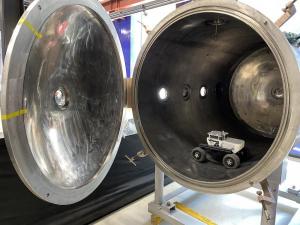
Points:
point(60, 97)
point(251, 81)
point(70, 132)
point(256, 84)
point(162, 94)
point(72, 86)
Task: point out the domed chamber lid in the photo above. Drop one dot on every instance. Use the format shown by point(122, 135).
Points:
point(62, 98)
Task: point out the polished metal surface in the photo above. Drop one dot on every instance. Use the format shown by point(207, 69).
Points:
point(256, 92)
point(73, 96)
point(182, 91)
point(70, 81)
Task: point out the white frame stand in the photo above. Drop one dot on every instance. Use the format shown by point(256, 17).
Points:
point(163, 208)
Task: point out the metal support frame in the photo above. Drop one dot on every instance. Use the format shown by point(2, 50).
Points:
point(142, 8)
point(269, 195)
point(291, 193)
point(158, 207)
point(268, 199)
point(289, 11)
point(162, 207)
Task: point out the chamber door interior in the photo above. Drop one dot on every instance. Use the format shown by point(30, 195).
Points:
point(63, 96)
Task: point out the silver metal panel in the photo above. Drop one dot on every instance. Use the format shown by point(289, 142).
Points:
point(64, 71)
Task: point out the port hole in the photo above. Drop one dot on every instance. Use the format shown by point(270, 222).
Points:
point(203, 91)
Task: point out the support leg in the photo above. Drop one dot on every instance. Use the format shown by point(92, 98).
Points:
point(269, 204)
point(268, 197)
point(159, 186)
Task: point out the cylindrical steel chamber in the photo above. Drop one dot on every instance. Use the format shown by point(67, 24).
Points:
point(217, 65)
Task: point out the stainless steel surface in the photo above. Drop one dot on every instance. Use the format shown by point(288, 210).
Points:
point(256, 84)
point(71, 83)
point(159, 186)
point(199, 45)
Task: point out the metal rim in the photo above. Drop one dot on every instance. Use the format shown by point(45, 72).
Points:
point(288, 65)
point(12, 83)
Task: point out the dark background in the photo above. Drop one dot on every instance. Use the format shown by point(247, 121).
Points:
point(124, 184)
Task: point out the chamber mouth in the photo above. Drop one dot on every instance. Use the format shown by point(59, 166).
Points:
point(224, 103)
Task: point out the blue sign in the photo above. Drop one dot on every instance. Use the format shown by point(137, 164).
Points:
point(123, 27)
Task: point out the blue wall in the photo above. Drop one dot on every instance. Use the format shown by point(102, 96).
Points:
point(123, 27)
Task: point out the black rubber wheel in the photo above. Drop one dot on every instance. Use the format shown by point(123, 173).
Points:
point(231, 161)
point(199, 154)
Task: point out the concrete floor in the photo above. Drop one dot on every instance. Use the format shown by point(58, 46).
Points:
point(235, 209)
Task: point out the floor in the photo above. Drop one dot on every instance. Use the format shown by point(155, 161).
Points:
point(235, 209)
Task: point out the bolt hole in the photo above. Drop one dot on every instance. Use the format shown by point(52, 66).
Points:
point(277, 93)
point(203, 91)
point(186, 92)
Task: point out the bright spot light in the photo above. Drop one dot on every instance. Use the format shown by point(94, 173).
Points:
point(125, 32)
point(163, 94)
point(203, 91)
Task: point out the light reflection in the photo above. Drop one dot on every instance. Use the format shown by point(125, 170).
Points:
point(163, 94)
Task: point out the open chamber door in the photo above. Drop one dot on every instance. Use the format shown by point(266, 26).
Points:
point(63, 98)
point(214, 66)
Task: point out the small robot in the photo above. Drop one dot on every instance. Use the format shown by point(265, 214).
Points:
point(223, 148)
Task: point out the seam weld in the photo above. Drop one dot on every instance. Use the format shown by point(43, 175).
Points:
point(193, 214)
point(30, 27)
point(14, 114)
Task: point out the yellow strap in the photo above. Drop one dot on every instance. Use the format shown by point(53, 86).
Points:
point(156, 220)
point(14, 114)
point(30, 27)
point(193, 214)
